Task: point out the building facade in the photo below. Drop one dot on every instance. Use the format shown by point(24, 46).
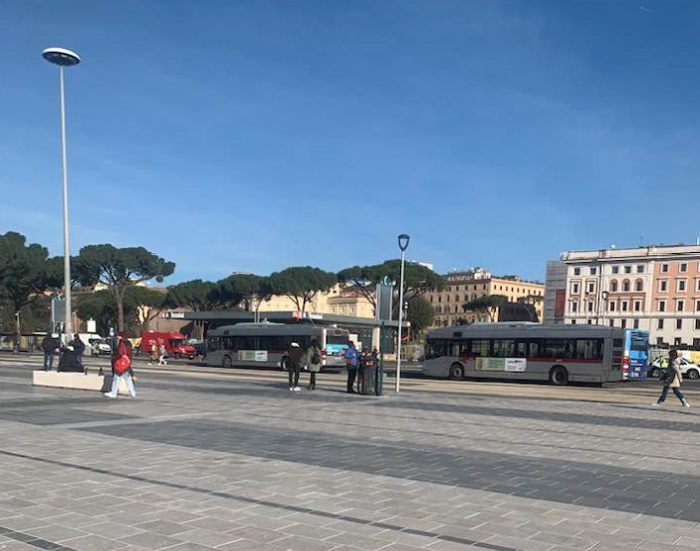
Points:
point(340, 300)
point(462, 287)
point(655, 288)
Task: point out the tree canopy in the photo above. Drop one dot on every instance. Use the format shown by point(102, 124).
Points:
point(248, 290)
point(119, 269)
point(301, 284)
point(420, 313)
point(418, 279)
point(485, 305)
point(141, 306)
point(195, 294)
point(22, 270)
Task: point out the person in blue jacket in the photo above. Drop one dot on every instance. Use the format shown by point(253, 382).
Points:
point(351, 361)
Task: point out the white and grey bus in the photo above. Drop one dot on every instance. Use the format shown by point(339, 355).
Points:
point(266, 344)
point(524, 351)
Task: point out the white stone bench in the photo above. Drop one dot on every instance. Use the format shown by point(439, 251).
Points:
point(77, 381)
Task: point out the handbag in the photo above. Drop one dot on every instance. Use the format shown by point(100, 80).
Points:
point(122, 365)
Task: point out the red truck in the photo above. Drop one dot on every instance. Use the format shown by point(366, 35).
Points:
point(174, 344)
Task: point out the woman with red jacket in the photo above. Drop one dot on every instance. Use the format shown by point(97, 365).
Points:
point(121, 367)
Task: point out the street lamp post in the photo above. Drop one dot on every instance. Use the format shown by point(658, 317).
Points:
point(64, 58)
point(403, 245)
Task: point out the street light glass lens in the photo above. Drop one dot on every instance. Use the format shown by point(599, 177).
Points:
point(403, 241)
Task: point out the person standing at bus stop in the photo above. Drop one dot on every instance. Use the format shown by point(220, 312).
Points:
point(314, 360)
point(351, 362)
point(672, 379)
point(296, 353)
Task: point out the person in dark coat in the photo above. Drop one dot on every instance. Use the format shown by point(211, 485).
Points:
point(79, 349)
point(352, 358)
point(50, 346)
point(296, 353)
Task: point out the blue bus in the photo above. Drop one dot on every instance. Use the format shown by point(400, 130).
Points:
point(636, 355)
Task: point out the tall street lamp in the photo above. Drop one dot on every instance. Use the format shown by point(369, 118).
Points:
point(64, 58)
point(403, 245)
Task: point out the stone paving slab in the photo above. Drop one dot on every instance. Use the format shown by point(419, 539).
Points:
point(230, 464)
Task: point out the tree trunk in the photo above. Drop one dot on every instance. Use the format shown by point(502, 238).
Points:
point(119, 299)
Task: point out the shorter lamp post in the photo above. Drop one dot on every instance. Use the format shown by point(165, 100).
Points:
point(403, 245)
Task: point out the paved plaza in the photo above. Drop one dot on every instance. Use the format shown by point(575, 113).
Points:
point(236, 462)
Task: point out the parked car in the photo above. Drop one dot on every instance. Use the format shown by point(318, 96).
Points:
point(95, 345)
point(688, 369)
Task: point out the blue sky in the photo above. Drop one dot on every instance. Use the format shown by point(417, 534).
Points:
point(253, 135)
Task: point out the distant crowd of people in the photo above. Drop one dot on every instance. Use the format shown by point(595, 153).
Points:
point(311, 359)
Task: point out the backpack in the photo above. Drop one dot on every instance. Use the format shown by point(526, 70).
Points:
point(315, 357)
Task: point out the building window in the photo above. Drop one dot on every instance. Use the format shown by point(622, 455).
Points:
point(624, 305)
point(628, 269)
point(677, 341)
point(636, 324)
point(697, 305)
point(590, 306)
point(680, 285)
point(659, 340)
point(613, 286)
point(577, 271)
point(696, 343)
point(640, 268)
point(697, 324)
point(456, 298)
point(456, 309)
point(590, 322)
point(680, 305)
point(594, 271)
point(575, 288)
point(626, 285)
point(662, 306)
point(697, 285)
point(439, 298)
point(660, 324)
point(590, 287)
point(664, 268)
point(623, 323)
point(611, 306)
point(612, 323)
point(574, 306)
point(639, 285)
point(679, 324)
point(663, 285)
point(449, 289)
point(683, 268)
point(573, 322)
point(447, 298)
point(616, 269)
point(637, 305)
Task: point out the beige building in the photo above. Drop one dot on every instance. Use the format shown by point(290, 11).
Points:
point(655, 288)
point(462, 287)
point(340, 300)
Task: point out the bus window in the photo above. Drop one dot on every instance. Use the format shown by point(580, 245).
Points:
point(557, 348)
point(247, 343)
point(503, 348)
point(229, 343)
point(213, 344)
point(436, 349)
point(525, 349)
point(589, 349)
point(480, 347)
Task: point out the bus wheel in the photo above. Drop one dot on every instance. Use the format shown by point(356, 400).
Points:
point(457, 371)
point(559, 376)
point(227, 363)
point(693, 374)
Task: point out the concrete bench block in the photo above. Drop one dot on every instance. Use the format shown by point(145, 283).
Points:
point(77, 381)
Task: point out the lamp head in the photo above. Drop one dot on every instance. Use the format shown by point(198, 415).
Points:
point(403, 241)
point(60, 56)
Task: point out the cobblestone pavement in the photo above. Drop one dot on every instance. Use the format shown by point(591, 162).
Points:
point(240, 463)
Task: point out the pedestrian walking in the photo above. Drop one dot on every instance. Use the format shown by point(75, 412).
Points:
point(50, 347)
point(296, 353)
point(154, 354)
point(162, 354)
point(351, 362)
point(314, 362)
point(79, 350)
point(672, 378)
point(121, 367)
